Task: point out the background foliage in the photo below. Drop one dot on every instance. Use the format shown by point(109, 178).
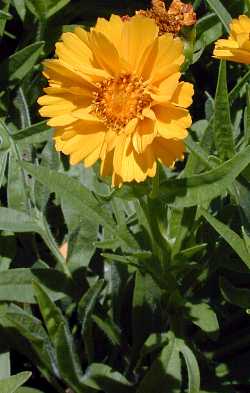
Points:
point(154, 295)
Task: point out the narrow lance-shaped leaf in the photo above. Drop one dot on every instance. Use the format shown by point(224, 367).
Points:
point(17, 197)
point(223, 132)
point(15, 221)
point(206, 140)
point(36, 133)
point(17, 66)
point(11, 384)
point(79, 197)
point(20, 7)
point(221, 12)
point(160, 373)
point(4, 365)
point(202, 188)
point(4, 15)
point(16, 284)
point(87, 304)
point(232, 238)
point(247, 119)
point(67, 359)
point(103, 377)
point(238, 296)
point(51, 314)
point(192, 367)
point(3, 162)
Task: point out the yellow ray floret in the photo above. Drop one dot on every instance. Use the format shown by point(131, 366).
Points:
point(114, 95)
point(237, 47)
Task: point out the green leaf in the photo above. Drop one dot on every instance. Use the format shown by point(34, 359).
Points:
point(4, 137)
point(3, 162)
point(238, 296)
point(4, 365)
point(11, 384)
point(203, 316)
point(146, 307)
point(28, 390)
point(31, 328)
point(67, 359)
point(44, 9)
point(20, 7)
point(16, 284)
point(82, 236)
point(8, 249)
point(207, 135)
point(223, 132)
point(51, 314)
point(111, 330)
point(164, 372)
point(221, 12)
point(247, 119)
point(79, 198)
point(4, 16)
point(87, 304)
point(15, 221)
point(17, 198)
point(56, 6)
point(102, 377)
point(154, 342)
point(202, 188)
point(192, 367)
point(232, 238)
point(17, 66)
point(36, 133)
point(208, 30)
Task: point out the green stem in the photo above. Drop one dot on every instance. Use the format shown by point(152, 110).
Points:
point(155, 184)
point(23, 109)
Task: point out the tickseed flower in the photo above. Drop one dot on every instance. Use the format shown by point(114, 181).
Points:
point(237, 46)
point(114, 94)
point(173, 19)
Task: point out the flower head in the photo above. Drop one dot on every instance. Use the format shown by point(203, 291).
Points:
point(114, 94)
point(237, 46)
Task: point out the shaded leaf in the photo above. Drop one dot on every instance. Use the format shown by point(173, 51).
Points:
point(11, 384)
point(231, 237)
point(238, 296)
point(223, 133)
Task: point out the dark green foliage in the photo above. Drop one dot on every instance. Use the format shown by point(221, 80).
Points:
point(153, 296)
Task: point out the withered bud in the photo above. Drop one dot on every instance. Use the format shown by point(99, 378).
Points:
point(172, 20)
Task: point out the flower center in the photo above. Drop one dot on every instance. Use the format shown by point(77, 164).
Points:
point(119, 100)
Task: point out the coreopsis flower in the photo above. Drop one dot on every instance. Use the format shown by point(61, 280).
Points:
point(173, 19)
point(237, 46)
point(114, 95)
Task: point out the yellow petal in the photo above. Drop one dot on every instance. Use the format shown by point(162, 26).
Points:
point(111, 29)
point(172, 122)
point(166, 88)
point(81, 146)
point(138, 33)
point(73, 50)
point(106, 168)
point(183, 95)
point(163, 58)
point(168, 150)
point(105, 52)
point(144, 135)
point(62, 120)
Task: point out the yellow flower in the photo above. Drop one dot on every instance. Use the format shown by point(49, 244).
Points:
point(114, 94)
point(237, 46)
